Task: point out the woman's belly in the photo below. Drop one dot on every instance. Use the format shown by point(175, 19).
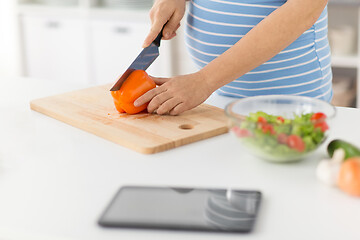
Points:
point(303, 68)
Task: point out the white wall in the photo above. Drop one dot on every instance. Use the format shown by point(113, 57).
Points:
point(9, 47)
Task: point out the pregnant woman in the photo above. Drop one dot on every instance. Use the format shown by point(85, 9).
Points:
point(243, 48)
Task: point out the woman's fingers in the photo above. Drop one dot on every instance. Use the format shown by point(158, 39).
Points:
point(146, 97)
point(168, 13)
point(168, 33)
point(159, 81)
point(168, 105)
point(180, 108)
point(176, 95)
point(172, 25)
point(177, 27)
point(157, 101)
point(172, 36)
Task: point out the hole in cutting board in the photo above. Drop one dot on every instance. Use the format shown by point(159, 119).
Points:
point(186, 127)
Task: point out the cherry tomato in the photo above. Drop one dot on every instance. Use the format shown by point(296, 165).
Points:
point(267, 128)
point(282, 138)
point(322, 125)
point(280, 119)
point(318, 116)
point(261, 119)
point(241, 132)
point(295, 142)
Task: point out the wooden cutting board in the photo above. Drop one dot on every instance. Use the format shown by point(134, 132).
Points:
point(92, 110)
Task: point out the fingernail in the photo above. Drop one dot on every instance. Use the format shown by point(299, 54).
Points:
point(167, 35)
point(136, 104)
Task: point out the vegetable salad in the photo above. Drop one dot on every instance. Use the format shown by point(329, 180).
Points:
point(277, 137)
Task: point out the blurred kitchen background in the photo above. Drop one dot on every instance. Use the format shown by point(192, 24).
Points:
point(91, 42)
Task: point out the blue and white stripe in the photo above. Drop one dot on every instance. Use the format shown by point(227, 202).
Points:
point(303, 68)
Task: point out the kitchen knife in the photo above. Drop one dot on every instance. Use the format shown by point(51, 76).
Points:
point(142, 62)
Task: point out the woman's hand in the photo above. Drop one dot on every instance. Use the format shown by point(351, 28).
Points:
point(170, 11)
point(176, 95)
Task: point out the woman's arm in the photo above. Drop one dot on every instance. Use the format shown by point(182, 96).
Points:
point(265, 40)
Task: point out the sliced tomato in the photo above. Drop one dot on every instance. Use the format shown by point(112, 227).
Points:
point(282, 138)
point(322, 125)
point(318, 116)
point(295, 142)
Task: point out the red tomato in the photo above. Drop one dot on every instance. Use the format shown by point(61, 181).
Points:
point(318, 116)
point(322, 125)
point(241, 132)
point(280, 119)
point(262, 120)
point(267, 128)
point(295, 142)
point(282, 138)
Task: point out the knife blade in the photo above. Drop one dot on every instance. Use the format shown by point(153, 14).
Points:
point(146, 57)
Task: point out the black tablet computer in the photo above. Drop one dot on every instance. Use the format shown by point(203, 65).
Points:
point(219, 210)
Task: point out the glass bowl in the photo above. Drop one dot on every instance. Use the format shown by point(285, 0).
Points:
point(280, 128)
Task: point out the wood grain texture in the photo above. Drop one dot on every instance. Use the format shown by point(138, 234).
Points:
point(92, 110)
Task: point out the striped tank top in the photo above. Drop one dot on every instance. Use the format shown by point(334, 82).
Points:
point(303, 68)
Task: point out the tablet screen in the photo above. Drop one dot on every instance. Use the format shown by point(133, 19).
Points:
point(183, 208)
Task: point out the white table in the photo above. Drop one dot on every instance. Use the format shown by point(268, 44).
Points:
point(55, 180)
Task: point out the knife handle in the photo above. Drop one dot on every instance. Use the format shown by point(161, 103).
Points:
point(158, 38)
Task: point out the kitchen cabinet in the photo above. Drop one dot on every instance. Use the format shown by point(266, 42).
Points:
point(85, 44)
point(115, 44)
point(55, 48)
point(345, 60)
